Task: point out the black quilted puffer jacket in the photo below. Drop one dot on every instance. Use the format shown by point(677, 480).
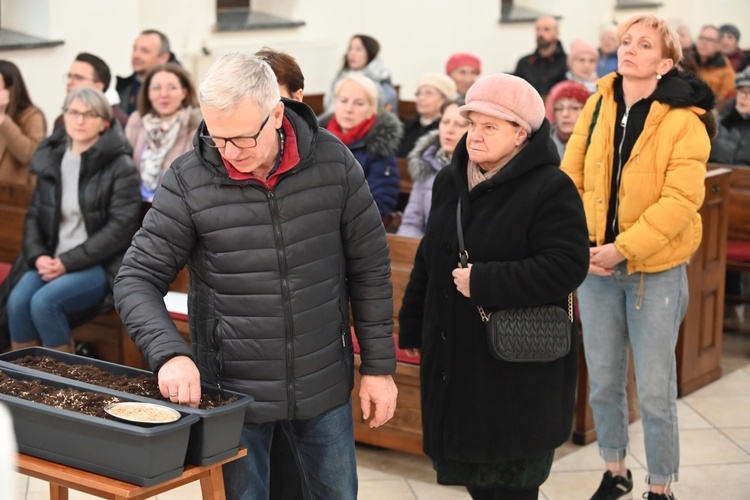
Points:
point(272, 274)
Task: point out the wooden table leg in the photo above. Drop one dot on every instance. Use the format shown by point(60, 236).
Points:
point(57, 492)
point(212, 484)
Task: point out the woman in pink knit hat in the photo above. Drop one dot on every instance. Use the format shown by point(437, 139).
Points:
point(493, 425)
point(582, 60)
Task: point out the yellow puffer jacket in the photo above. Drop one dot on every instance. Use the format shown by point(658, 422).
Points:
point(662, 183)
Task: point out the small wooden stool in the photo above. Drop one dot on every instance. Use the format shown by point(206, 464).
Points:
point(63, 477)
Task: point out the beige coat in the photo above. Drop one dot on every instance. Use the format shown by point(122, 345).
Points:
point(18, 141)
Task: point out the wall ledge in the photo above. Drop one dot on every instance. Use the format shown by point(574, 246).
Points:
point(14, 40)
point(245, 19)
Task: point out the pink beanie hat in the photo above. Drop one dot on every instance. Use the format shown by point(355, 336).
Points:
point(580, 47)
point(506, 97)
point(462, 59)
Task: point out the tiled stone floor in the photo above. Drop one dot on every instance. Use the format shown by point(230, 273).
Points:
point(715, 453)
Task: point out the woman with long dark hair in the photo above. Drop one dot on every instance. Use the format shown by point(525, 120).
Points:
point(163, 125)
point(22, 126)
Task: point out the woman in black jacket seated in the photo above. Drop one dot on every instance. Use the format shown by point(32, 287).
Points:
point(84, 212)
point(493, 425)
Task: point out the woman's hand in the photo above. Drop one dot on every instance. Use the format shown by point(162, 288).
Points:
point(49, 268)
point(461, 276)
point(600, 271)
point(603, 259)
point(412, 353)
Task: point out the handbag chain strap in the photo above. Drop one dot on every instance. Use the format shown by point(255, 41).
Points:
point(463, 257)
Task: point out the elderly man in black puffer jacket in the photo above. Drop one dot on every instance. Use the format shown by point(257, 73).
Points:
point(279, 231)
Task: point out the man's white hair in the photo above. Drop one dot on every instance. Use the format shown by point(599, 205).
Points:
point(236, 78)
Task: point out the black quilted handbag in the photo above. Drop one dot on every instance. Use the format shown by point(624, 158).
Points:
point(528, 334)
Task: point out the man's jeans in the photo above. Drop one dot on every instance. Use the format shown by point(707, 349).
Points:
point(324, 451)
point(38, 310)
point(611, 322)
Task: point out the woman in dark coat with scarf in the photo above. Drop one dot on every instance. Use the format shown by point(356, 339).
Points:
point(85, 209)
point(371, 135)
point(493, 425)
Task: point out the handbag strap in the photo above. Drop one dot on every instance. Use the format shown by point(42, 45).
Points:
point(463, 256)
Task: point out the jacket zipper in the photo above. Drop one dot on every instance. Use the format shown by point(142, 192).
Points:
point(287, 306)
point(623, 124)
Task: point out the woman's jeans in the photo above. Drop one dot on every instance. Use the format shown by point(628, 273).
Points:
point(38, 310)
point(612, 321)
point(323, 448)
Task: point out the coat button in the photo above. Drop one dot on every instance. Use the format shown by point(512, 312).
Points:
point(442, 335)
point(598, 164)
point(600, 200)
point(445, 293)
point(448, 249)
point(442, 374)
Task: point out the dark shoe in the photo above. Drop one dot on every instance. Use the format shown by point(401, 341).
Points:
point(650, 495)
point(613, 487)
point(85, 349)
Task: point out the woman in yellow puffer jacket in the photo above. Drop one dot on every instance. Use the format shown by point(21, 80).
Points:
point(638, 157)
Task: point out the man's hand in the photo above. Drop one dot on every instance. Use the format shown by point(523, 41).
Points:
point(180, 381)
point(381, 391)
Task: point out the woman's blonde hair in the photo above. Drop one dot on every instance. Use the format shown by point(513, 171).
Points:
point(371, 88)
point(670, 41)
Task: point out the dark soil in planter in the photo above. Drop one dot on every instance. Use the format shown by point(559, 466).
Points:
point(142, 385)
point(88, 403)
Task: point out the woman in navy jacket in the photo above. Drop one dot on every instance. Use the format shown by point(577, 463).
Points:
point(372, 137)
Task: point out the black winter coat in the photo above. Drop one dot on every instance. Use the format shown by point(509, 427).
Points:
point(271, 276)
point(732, 144)
point(110, 201)
point(526, 236)
point(543, 72)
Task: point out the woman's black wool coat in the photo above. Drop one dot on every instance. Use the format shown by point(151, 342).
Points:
point(526, 237)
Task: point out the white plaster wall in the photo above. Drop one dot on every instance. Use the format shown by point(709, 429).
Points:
point(416, 36)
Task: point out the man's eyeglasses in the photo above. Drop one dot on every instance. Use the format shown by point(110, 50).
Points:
point(75, 78)
point(241, 142)
point(744, 91)
point(76, 115)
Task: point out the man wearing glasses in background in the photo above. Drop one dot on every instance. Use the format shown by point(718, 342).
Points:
point(89, 70)
point(280, 233)
point(713, 66)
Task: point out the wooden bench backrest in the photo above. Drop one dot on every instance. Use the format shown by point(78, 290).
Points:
point(403, 250)
point(315, 101)
point(14, 201)
point(739, 201)
point(406, 110)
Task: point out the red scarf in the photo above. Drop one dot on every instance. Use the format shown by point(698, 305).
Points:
point(356, 133)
